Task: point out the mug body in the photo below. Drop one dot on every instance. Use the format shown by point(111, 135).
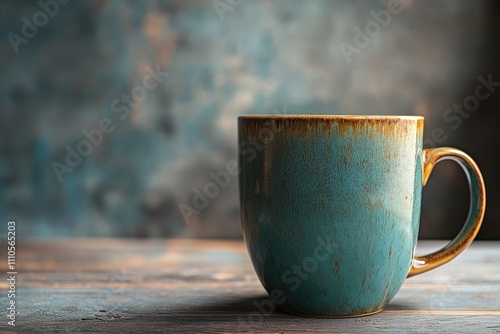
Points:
point(330, 208)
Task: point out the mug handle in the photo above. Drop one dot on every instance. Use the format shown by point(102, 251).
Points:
point(431, 157)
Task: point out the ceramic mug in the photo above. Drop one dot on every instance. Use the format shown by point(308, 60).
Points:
point(330, 208)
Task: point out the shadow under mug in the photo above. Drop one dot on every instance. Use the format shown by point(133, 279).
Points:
point(330, 208)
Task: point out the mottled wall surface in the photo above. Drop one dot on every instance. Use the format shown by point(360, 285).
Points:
point(87, 73)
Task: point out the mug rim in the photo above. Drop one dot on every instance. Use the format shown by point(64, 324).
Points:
point(312, 116)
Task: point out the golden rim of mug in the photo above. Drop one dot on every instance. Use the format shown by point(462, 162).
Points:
point(354, 117)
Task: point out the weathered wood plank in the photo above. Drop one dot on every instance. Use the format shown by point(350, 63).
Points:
point(186, 286)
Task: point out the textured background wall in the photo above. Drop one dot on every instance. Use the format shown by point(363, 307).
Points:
point(85, 68)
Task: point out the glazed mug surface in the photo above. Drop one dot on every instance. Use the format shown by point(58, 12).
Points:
point(330, 208)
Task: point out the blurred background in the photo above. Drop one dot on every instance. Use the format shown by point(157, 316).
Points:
point(97, 139)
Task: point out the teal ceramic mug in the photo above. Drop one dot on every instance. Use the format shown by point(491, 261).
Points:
point(330, 208)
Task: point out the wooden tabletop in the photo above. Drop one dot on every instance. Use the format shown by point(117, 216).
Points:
point(188, 286)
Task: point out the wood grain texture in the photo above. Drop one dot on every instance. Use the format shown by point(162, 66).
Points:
point(187, 286)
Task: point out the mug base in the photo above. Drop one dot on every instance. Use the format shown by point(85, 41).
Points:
point(333, 316)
